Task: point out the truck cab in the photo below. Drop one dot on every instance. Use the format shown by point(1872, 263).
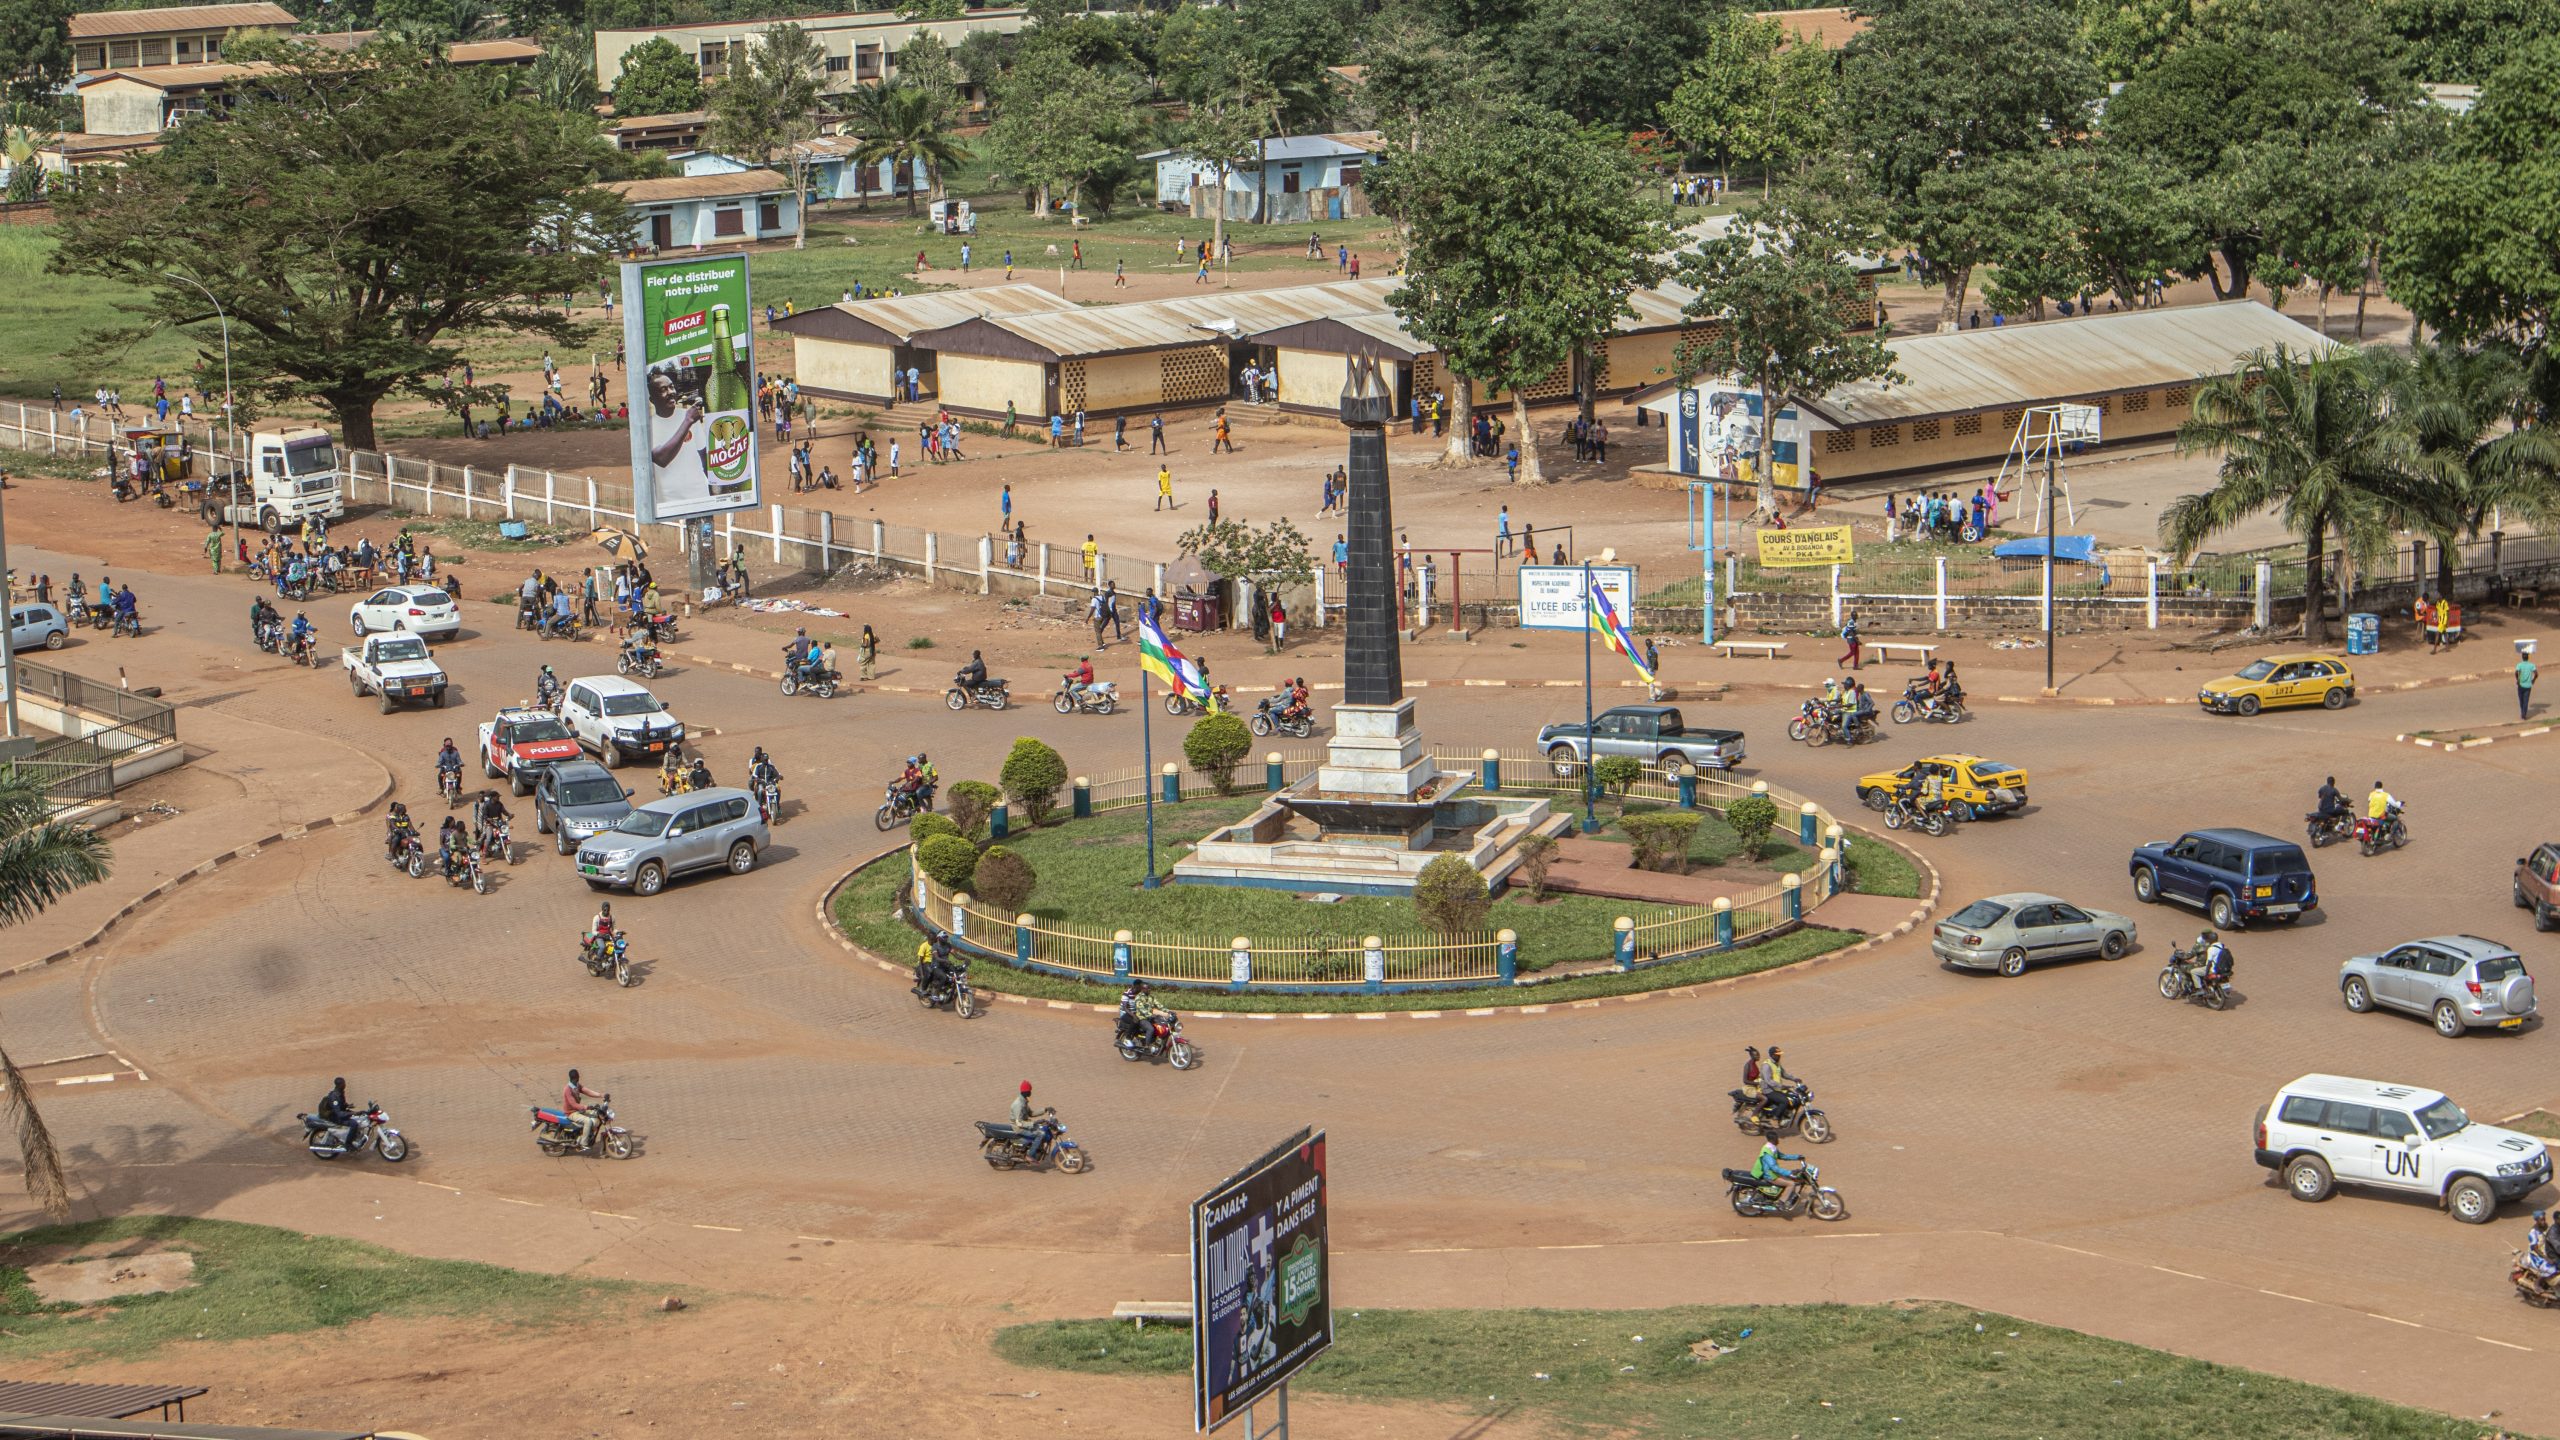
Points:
point(291, 476)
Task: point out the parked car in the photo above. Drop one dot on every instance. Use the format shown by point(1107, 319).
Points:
point(2007, 932)
point(619, 720)
point(716, 828)
point(1654, 734)
point(37, 627)
point(418, 609)
point(576, 800)
point(2324, 1130)
point(518, 744)
point(1975, 786)
point(2461, 982)
point(2537, 884)
point(2234, 876)
point(2306, 678)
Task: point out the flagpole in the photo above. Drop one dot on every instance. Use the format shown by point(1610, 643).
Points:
point(1590, 741)
point(1147, 744)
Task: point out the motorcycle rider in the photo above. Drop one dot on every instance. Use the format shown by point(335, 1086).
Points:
point(573, 1107)
point(1768, 1170)
point(489, 814)
point(261, 615)
point(2209, 962)
point(761, 770)
point(1034, 1126)
point(638, 652)
point(2378, 807)
point(934, 970)
point(1774, 1080)
point(2332, 804)
point(448, 762)
point(803, 655)
point(972, 676)
point(2540, 1240)
point(699, 776)
point(1079, 678)
point(546, 690)
point(401, 829)
point(453, 846)
point(334, 1112)
point(301, 634)
point(1139, 1008)
point(600, 930)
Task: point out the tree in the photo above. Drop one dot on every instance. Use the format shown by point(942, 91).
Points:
point(949, 860)
point(2133, 222)
point(564, 78)
point(1004, 879)
point(2475, 248)
point(1604, 62)
point(927, 64)
point(2463, 42)
point(1216, 744)
point(903, 123)
point(1032, 775)
point(2309, 438)
point(932, 10)
point(971, 801)
point(767, 110)
point(1275, 557)
point(1226, 129)
point(1451, 897)
point(1719, 106)
point(2033, 238)
point(1751, 818)
point(1059, 120)
point(1777, 302)
point(35, 39)
point(1528, 233)
point(2468, 413)
point(656, 79)
point(42, 859)
point(353, 214)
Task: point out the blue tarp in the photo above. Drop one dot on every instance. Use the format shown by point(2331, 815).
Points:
point(2077, 549)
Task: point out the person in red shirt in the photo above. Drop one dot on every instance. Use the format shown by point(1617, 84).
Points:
point(572, 1104)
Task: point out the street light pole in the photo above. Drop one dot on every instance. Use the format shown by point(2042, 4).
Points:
point(2048, 562)
point(230, 424)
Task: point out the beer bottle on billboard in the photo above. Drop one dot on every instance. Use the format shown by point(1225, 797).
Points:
point(729, 412)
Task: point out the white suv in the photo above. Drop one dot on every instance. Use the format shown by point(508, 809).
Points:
point(619, 720)
point(2323, 1130)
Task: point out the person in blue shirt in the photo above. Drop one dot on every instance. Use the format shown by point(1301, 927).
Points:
point(1341, 553)
point(301, 629)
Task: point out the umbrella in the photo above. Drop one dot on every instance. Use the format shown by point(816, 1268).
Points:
point(621, 544)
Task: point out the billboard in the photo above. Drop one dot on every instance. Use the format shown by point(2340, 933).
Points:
point(1821, 545)
point(692, 386)
point(1261, 1304)
point(1551, 596)
point(1719, 432)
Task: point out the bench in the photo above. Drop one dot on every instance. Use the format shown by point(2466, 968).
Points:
point(1163, 1312)
point(1770, 649)
point(1884, 649)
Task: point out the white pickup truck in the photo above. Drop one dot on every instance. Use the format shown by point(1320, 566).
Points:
point(396, 667)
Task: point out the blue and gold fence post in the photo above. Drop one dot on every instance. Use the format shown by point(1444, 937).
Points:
point(1492, 764)
point(1838, 842)
point(1022, 938)
point(960, 915)
point(1830, 870)
point(1794, 884)
point(1120, 955)
point(1373, 964)
point(999, 821)
point(1626, 943)
point(1506, 956)
point(1172, 785)
point(1806, 821)
point(1240, 964)
point(1271, 776)
point(1724, 923)
point(1687, 780)
point(1082, 808)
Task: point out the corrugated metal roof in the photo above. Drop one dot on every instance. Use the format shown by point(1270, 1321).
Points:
point(2065, 359)
point(193, 76)
point(893, 320)
point(81, 1427)
point(701, 187)
point(1832, 29)
point(679, 120)
point(97, 24)
point(1300, 147)
point(483, 52)
point(110, 1402)
point(1189, 319)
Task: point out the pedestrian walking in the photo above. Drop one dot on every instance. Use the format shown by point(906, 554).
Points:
point(1164, 488)
point(1341, 554)
point(1057, 430)
point(1849, 637)
point(213, 548)
point(1224, 441)
point(1079, 429)
point(2525, 673)
point(866, 651)
point(1111, 608)
point(893, 459)
point(1119, 433)
point(1093, 612)
point(1119, 274)
point(1075, 255)
point(1092, 552)
point(1528, 544)
point(1502, 533)
point(1213, 506)
point(1155, 437)
point(1005, 507)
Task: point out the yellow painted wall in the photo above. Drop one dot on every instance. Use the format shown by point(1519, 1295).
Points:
point(1116, 382)
point(1314, 377)
point(1636, 361)
point(837, 365)
point(2118, 425)
point(986, 384)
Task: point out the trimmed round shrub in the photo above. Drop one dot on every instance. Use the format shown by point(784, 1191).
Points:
point(1032, 775)
point(1451, 897)
point(1216, 744)
point(970, 802)
point(950, 860)
point(1004, 879)
point(1618, 774)
point(927, 825)
point(1661, 838)
point(1752, 818)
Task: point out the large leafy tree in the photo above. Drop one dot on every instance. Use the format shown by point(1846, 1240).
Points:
point(35, 49)
point(2468, 413)
point(1605, 62)
point(1060, 121)
point(1775, 297)
point(563, 77)
point(1527, 234)
point(1750, 97)
point(2475, 248)
point(2312, 439)
point(2463, 42)
point(656, 79)
point(2134, 227)
point(355, 214)
point(42, 859)
point(766, 109)
point(901, 123)
point(1227, 128)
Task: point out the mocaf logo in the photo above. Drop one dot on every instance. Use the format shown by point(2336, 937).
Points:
point(727, 456)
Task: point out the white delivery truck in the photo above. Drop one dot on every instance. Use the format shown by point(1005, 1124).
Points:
point(292, 475)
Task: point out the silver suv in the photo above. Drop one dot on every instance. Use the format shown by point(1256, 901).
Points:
point(666, 838)
point(2461, 982)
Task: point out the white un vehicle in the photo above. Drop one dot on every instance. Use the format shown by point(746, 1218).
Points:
point(2323, 1131)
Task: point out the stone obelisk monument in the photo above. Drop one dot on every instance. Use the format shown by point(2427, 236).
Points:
point(1375, 753)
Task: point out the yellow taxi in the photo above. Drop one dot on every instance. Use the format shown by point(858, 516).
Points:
point(2304, 678)
point(1975, 786)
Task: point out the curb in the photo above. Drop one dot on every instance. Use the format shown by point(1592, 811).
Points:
point(1928, 903)
point(244, 852)
point(2450, 746)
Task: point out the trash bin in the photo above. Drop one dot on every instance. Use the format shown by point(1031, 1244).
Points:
point(2364, 634)
point(1195, 611)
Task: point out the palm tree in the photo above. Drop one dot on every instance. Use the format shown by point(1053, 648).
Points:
point(2312, 438)
point(563, 77)
point(2466, 412)
point(42, 859)
point(901, 124)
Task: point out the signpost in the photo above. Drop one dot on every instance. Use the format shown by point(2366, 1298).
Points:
point(1261, 1285)
point(1552, 597)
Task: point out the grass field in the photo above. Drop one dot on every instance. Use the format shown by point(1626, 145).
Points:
point(1791, 1373)
point(43, 343)
point(254, 1280)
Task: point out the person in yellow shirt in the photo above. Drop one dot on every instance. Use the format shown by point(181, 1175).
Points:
point(2379, 803)
point(1164, 487)
point(1091, 550)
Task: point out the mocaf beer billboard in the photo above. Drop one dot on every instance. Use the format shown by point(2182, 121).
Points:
point(1261, 1280)
point(692, 386)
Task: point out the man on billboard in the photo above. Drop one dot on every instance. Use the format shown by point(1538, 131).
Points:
point(677, 431)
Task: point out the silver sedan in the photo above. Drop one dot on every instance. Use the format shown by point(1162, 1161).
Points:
point(2008, 932)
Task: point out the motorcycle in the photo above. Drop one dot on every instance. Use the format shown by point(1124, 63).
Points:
point(553, 1132)
point(1005, 1147)
point(371, 1130)
point(496, 843)
point(1161, 1036)
point(1929, 817)
point(2387, 833)
point(640, 660)
point(657, 627)
point(410, 853)
point(769, 801)
point(1797, 1193)
point(1843, 728)
point(2183, 978)
point(449, 785)
point(306, 651)
point(465, 869)
point(1918, 704)
point(989, 694)
point(102, 616)
point(821, 683)
point(2537, 1280)
point(1788, 1107)
point(129, 625)
point(1099, 698)
point(902, 805)
point(952, 990)
point(2325, 831)
point(1273, 714)
point(608, 959)
point(1811, 716)
point(1179, 702)
point(553, 627)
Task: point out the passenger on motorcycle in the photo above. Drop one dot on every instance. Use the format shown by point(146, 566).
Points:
point(1751, 1075)
point(1138, 1011)
point(934, 969)
point(572, 1105)
point(1769, 1172)
point(638, 651)
point(1296, 707)
point(401, 829)
point(489, 814)
point(761, 769)
point(2210, 961)
point(803, 654)
point(261, 615)
point(546, 690)
point(918, 780)
point(453, 845)
point(671, 775)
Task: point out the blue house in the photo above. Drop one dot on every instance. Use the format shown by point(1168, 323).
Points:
point(718, 208)
point(1290, 179)
point(833, 175)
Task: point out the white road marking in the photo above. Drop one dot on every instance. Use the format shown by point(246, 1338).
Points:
point(2412, 1324)
point(430, 1184)
point(2283, 1296)
point(2165, 1270)
point(2503, 1345)
point(730, 1229)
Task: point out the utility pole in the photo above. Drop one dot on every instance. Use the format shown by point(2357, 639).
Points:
point(2048, 560)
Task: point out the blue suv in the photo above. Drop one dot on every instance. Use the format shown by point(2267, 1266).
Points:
point(2234, 876)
